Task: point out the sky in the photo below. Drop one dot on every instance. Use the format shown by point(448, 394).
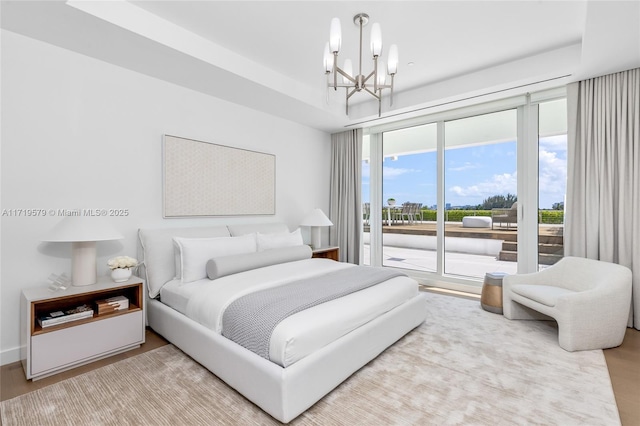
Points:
point(472, 174)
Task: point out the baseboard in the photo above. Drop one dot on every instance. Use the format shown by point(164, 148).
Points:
point(10, 356)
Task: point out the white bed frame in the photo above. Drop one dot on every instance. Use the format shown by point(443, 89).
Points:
point(284, 393)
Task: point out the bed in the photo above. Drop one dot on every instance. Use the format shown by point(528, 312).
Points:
point(309, 353)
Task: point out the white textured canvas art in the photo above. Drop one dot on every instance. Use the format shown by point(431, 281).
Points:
point(206, 179)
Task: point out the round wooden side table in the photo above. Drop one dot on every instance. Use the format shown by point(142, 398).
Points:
point(491, 297)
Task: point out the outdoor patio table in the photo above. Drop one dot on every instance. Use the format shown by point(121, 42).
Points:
point(389, 210)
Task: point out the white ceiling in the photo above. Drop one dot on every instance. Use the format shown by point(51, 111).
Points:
point(268, 55)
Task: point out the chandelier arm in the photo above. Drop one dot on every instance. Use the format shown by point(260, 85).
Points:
point(335, 68)
point(375, 73)
point(380, 104)
point(344, 74)
point(349, 94)
point(373, 94)
point(360, 65)
point(371, 74)
point(346, 103)
point(342, 85)
point(391, 93)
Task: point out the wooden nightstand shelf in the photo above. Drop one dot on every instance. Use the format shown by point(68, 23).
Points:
point(60, 347)
point(327, 253)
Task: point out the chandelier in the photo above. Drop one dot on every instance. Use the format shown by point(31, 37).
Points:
point(376, 80)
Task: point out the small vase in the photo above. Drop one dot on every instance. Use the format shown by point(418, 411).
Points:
point(120, 274)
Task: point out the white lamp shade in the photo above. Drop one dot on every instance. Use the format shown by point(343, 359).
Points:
point(335, 35)
point(376, 40)
point(83, 228)
point(392, 65)
point(348, 68)
point(328, 59)
point(316, 218)
point(83, 232)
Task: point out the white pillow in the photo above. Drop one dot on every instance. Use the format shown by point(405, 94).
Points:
point(192, 254)
point(279, 240)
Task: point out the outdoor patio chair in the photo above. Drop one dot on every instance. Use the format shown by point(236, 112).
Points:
point(366, 213)
point(505, 216)
point(417, 212)
point(407, 211)
point(589, 299)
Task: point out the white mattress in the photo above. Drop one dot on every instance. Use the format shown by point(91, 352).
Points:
point(204, 301)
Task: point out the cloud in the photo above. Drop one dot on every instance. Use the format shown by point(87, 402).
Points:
point(553, 143)
point(553, 174)
point(394, 172)
point(465, 166)
point(551, 181)
point(498, 184)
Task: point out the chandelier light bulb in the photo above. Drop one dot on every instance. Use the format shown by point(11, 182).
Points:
point(376, 39)
point(382, 73)
point(335, 35)
point(328, 59)
point(348, 68)
point(393, 59)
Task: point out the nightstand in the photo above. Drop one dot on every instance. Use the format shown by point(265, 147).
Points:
point(56, 348)
point(332, 253)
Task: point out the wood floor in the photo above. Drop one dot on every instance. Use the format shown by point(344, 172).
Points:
point(623, 363)
point(624, 368)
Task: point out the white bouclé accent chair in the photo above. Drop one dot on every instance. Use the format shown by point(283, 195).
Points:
point(589, 299)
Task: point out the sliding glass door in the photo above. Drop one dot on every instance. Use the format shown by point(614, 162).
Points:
point(409, 194)
point(480, 182)
point(552, 180)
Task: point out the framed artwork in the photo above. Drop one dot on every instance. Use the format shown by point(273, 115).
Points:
point(206, 179)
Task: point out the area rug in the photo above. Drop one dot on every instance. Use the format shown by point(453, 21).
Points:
point(463, 366)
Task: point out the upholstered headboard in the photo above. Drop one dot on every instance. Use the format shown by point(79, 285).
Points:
point(156, 250)
point(264, 228)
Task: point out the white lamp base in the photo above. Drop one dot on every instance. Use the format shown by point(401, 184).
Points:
point(83, 263)
point(316, 237)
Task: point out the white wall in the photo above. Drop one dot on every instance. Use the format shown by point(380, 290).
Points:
point(81, 133)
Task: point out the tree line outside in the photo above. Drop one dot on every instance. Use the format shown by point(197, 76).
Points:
point(506, 201)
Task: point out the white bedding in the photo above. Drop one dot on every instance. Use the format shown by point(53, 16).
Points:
point(204, 301)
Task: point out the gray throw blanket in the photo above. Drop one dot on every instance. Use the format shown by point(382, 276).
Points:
point(251, 319)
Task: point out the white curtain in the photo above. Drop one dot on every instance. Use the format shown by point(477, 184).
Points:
point(346, 177)
point(603, 189)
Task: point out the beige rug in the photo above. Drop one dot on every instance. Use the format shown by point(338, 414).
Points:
point(463, 366)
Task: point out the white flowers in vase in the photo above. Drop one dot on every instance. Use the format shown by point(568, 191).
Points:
point(121, 268)
point(122, 262)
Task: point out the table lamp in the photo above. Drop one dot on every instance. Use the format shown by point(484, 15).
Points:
point(316, 219)
point(83, 232)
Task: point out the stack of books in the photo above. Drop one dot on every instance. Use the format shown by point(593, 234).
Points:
point(60, 317)
point(112, 304)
